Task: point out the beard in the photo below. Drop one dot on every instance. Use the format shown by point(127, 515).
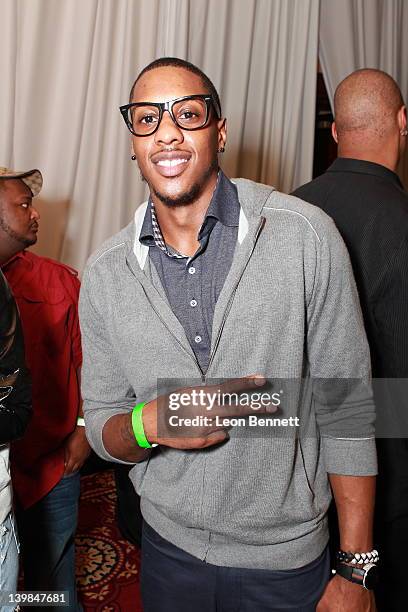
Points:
point(20, 238)
point(189, 196)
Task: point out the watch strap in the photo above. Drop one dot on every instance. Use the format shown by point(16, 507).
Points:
point(353, 573)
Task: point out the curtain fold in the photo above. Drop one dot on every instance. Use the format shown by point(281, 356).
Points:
point(67, 65)
point(262, 56)
point(8, 60)
point(357, 34)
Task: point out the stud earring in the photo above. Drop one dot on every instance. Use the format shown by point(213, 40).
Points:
point(133, 157)
point(404, 132)
point(221, 150)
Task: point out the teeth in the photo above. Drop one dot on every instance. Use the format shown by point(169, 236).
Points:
point(170, 163)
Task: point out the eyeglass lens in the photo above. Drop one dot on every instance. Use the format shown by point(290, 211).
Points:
point(188, 114)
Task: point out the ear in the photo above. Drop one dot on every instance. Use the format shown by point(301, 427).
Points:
point(334, 132)
point(222, 133)
point(402, 118)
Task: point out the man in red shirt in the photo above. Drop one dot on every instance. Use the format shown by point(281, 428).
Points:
point(47, 460)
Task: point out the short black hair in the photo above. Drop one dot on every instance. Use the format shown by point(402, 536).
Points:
point(177, 62)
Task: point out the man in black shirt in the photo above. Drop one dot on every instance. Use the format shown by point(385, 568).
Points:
point(365, 197)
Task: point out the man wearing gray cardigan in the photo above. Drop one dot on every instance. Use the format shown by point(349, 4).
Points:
point(245, 289)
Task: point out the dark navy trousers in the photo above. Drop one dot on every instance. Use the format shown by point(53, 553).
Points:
point(175, 581)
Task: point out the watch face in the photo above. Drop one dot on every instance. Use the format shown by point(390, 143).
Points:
point(371, 578)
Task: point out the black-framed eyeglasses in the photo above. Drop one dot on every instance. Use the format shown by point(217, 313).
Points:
point(188, 113)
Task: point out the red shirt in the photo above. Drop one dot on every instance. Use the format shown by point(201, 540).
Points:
point(47, 296)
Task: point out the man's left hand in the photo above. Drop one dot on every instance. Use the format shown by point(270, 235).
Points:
point(341, 595)
point(77, 450)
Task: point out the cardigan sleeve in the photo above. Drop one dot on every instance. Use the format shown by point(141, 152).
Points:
point(339, 360)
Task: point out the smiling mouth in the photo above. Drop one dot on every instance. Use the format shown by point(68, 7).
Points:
point(169, 168)
point(171, 163)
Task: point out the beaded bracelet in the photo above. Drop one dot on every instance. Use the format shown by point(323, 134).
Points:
point(357, 558)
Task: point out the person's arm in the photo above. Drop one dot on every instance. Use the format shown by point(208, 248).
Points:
point(340, 366)
point(76, 449)
point(108, 398)
point(354, 498)
point(119, 439)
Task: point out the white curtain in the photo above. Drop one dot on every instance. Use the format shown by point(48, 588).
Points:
point(364, 34)
point(67, 65)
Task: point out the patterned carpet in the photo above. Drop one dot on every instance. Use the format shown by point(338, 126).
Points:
point(107, 565)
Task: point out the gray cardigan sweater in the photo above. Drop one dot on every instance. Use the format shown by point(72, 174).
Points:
point(288, 310)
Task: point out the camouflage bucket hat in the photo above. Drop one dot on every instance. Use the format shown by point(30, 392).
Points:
point(32, 178)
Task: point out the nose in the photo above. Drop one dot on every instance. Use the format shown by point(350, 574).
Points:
point(168, 132)
point(34, 213)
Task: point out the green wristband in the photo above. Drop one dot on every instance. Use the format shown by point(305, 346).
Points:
point(137, 426)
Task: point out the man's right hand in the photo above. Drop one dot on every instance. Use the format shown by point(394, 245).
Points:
point(119, 439)
point(210, 427)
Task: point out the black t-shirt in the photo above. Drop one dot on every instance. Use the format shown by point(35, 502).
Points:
point(15, 383)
